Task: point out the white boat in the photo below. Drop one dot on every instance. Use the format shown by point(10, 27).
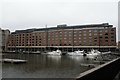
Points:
point(37, 52)
point(76, 53)
point(94, 52)
point(106, 52)
point(57, 52)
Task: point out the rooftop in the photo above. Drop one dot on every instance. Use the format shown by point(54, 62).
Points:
point(64, 26)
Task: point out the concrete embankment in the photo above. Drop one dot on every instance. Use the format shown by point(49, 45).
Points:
point(107, 71)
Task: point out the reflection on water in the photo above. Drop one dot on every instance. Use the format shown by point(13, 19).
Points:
point(54, 59)
point(77, 58)
point(44, 66)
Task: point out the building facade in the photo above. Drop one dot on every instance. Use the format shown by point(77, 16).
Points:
point(119, 44)
point(64, 37)
point(0, 41)
point(4, 38)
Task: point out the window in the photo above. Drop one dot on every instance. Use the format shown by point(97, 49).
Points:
point(65, 32)
point(69, 41)
point(65, 35)
point(65, 38)
point(56, 33)
point(95, 30)
point(100, 30)
point(106, 40)
point(95, 34)
point(106, 30)
point(80, 41)
point(90, 37)
point(100, 34)
point(75, 41)
point(106, 37)
point(75, 32)
point(70, 32)
point(100, 37)
point(106, 33)
point(90, 30)
point(84, 41)
point(79, 37)
point(112, 29)
point(95, 40)
point(112, 36)
point(84, 34)
point(80, 32)
point(112, 33)
point(95, 44)
point(64, 41)
point(75, 35)
point(60, 35)
point(70, 35)
point(84, 38)
point(69, 38)
point(112, 40)
point(90, 44)
point(90, 34)
point(52, 36)
point(112, 44)
point(84, 31)
point(56, 38)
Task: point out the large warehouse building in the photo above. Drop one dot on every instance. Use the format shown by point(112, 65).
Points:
point(66, 38)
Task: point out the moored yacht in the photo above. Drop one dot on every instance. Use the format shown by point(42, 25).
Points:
point(76, 53)
point(106, 52)
point(94, 52)
point(57, 52)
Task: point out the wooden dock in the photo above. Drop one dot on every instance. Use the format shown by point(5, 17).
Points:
point(13, 61)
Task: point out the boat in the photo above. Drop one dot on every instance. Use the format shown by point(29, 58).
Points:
point(77, 53)
point(106, 52)
point(37, 52)
point(94, 52)
point(57, 52)
point(13, 61)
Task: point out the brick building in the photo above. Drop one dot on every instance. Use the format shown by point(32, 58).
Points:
point(119, 44)
point(0, 41)
point(4, 39)
point(100, 36)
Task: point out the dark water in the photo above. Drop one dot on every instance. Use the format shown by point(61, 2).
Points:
point(44, 66)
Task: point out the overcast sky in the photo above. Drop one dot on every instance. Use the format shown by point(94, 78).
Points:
point(25, 14)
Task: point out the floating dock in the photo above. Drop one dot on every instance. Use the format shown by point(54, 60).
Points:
point(88, 65)
point(106, 71)
point(13, 61)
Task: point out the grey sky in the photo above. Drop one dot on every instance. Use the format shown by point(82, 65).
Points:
point(24, 14)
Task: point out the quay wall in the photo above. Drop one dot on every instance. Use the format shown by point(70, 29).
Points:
point(107, 71)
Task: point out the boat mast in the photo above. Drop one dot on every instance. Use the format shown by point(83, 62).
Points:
point(46, 38)
point(99, 38)
point(15, 44)
point(55, 36)
point(73, 40)
point(108, 36)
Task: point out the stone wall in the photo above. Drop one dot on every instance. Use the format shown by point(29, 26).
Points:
point(107, 71)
